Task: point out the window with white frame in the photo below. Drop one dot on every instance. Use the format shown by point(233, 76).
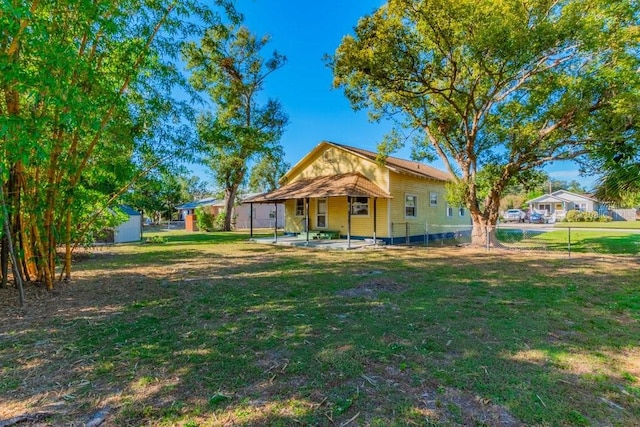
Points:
point(449, 211)
point(321, 213)
point(410, 206)
point(433, 199)
point(299, 207)
point(360, 206)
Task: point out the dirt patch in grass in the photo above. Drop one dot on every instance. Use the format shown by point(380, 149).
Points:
point(372, 287)
point(456, 406)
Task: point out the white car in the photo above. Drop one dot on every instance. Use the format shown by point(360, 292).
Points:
point(515, 215)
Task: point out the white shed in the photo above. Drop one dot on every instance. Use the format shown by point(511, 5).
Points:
point(131, 229)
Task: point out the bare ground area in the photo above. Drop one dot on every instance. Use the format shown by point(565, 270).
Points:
point(124, 343)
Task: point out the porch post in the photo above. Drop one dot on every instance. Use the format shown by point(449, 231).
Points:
point(306, 216)
point(250, 221)
point(349, 222)
point(275, 221)
point(375, 200)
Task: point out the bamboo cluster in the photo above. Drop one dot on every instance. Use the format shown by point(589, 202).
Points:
point(67, 129)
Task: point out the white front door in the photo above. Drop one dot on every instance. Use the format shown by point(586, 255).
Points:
point(321, 213)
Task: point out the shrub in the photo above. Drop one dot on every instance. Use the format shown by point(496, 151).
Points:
point(578, 216)
point(590, 216)
point(605, 218)
point(572, 216)
point(204, 220)
point(218, 221)
point(156, 239)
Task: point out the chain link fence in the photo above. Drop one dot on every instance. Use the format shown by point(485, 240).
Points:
point(535, 237)
point(570, 239)
point(408, 233)
point(520, 238)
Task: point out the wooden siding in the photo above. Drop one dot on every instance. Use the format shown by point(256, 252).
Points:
point(402, 185)
point(337, 218)
point(333, 161)
point(292, 223)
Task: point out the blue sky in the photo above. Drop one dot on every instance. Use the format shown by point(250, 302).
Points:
point(304, 32)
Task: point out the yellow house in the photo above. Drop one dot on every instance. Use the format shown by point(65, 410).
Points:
point(338, 190)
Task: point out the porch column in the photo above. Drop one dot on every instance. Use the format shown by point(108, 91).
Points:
point(349, 222)
point(375, 200)
point(306, 216)
point(275, 221)
point(250, 221)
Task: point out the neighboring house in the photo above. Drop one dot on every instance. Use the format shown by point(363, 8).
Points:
point(264, 215)
point(342, 190)
point(189, 208)
point(131, 229)
point(557, 204)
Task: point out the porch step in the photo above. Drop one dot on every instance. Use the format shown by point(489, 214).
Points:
point(319, 235)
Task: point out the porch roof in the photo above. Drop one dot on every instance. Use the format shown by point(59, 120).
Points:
point(347, 184)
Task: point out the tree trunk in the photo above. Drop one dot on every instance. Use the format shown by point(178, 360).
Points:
point(28, 267)
point(229, 202)
point(4, 260)
point(483, 233)
point(67, 247)
point(19, 236)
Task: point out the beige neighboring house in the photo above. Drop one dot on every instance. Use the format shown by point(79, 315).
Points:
point(556, 205)
point(264, 215)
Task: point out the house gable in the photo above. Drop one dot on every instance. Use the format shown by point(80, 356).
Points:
point(400, 166)
point(562, 196)
point(572, 197)
point(329, 159)
point(545, 198)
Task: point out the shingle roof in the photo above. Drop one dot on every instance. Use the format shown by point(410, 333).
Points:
point(400, 165)
point(348, 184)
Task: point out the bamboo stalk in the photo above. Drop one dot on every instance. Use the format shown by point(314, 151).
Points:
point(17, 278)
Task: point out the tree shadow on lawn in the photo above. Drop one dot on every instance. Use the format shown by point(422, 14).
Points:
point(613, 244)
point(282, 340)
point(159, 256)
point(217, 237)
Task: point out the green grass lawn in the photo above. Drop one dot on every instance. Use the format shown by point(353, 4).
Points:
point(578, 240)
point(207, 329)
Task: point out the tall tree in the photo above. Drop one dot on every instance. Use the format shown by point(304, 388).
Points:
point(228, 64)
point(85, 89)
point(494, 88)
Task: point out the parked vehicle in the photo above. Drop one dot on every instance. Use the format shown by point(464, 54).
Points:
point(516, 215)
point(537, 218)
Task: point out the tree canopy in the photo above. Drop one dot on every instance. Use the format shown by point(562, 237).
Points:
point(266, 173)
point(495, 88)
point(228, 64)
point(86, 108)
